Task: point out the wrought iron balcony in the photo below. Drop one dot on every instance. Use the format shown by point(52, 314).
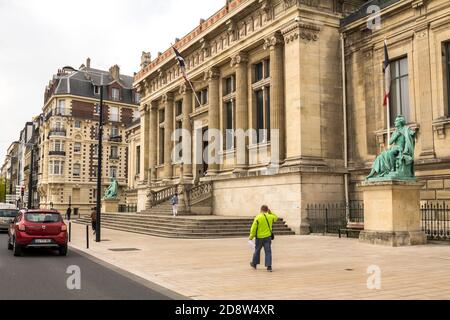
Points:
point(114, 157)
point(115, 139)
point(58, 132)
point(57, 153)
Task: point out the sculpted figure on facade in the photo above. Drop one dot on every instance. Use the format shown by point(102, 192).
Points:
point(398, 161)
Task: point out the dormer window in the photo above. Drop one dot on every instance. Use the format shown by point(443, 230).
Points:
point(115, 94)
point(97, 90)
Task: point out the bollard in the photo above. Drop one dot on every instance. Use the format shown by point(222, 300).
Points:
point(70, 231)
point(87, 236)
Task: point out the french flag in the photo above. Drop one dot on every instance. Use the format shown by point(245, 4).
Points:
point(387, 74)
point(181, 63)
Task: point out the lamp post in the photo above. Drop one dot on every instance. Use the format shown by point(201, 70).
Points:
point(99, 168)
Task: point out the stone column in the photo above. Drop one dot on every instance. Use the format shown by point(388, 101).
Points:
point(168, 101)
point(213, 77)
point(423, 90)
point(277, 112)
point(240, 63)
point(186, 91)
point(153, 148)
point(144, 142)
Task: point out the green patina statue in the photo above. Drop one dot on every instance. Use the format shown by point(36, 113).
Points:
point(112, 191)
point(396, 163)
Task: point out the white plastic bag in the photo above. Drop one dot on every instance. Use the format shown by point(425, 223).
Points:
point(251, 243)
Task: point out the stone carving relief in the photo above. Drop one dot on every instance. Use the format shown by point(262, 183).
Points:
point(146, 59)
point(301, 30)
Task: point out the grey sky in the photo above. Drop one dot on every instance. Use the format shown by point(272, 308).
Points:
point(39, 36)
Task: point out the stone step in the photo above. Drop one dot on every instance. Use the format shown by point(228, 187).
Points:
point(185, 228)
point(180, 221)
point(175, 234)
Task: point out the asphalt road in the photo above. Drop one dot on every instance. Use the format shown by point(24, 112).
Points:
point(42, 275)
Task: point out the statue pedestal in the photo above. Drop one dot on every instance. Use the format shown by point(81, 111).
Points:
point(392, 213)
point(110, 205)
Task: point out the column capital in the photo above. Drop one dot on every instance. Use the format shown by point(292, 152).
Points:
point(185, 88)
point(143, 109)
point(167, 97)
point(212, 74)
point(239, 59)
point(305, 30)
point(276, 39)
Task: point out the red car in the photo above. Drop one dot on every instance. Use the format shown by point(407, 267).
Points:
point(38, 229)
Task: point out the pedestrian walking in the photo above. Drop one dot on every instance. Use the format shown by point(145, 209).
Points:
point(174, 203)
point(68, 213)
point(262, 232)
point(94, 219)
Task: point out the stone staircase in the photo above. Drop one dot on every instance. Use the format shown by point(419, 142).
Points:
point(185, 227)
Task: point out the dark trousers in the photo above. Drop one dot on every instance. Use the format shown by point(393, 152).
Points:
point(259, 244)
point(94, 225)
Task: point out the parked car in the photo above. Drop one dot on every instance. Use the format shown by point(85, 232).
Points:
point(7, 214)
point(38, 229)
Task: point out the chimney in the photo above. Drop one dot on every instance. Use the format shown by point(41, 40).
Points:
point(114, 71)
point(88, 63)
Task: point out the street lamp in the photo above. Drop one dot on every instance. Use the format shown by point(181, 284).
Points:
point(100, 156)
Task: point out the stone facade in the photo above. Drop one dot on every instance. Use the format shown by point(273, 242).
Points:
point(68, 141)
point(281, 57)
point(298, 46)
point(419, 33)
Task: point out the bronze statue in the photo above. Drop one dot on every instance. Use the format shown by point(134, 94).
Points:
point(398, 161)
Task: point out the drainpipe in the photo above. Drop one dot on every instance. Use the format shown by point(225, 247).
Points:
point(344, 112)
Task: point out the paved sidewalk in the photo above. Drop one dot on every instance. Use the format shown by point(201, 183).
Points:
point(305, 267)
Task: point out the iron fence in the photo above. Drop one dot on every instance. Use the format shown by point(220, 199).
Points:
point(330, 217)
point(123, 208)
point(436, 221)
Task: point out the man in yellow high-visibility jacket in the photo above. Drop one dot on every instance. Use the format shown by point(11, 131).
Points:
point(262, 229)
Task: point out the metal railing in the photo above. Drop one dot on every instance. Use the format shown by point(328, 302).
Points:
point(330, 217)
point(436, 220)
point(58, 132)
point(127, 208)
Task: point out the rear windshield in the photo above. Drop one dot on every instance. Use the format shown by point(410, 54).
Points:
point(6, 213)
point(44, 217)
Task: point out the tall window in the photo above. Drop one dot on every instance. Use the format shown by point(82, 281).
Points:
point(229, 125)
point(161, 136)
point(447, 69)
point(77, 124)
point(114, 152)
point(229, 85)
point(113, 172)
point(115, 131)
point(61, 107)
point(261, 71)
point(137, 97)
point(138, 160)
point(115, 94)
point(202, 95)
point(399, 100)
point(77, 147)
point(178, 107)
point(58, 146)
point(261, 90)
point(76, 170)
point(56, 167)
point(114, 114)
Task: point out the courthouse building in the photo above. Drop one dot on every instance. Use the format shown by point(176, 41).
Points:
point(278, 65)
point(68, 135)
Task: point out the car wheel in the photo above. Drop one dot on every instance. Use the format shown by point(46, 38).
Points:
point(10, 246)
point(17, 249)
point(63, 250)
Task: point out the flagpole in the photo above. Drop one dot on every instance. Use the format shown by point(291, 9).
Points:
point(388, 108)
